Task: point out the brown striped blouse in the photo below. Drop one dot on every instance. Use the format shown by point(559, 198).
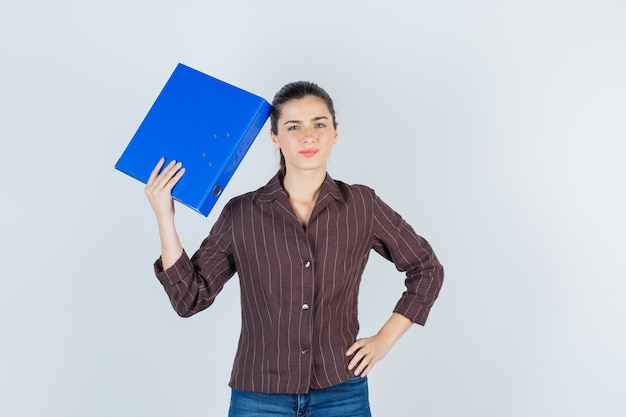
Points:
point(299, 286)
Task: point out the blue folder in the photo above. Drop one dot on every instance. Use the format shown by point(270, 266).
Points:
point(205, 123)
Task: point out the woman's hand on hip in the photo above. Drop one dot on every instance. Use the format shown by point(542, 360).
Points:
point(367, 352)
point(370, 350)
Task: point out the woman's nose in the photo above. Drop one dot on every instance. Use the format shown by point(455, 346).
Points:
point(309, 134)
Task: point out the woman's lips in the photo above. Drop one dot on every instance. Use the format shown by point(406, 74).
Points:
point(308, 152)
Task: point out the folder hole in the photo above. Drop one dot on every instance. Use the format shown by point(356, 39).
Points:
point(217, 190)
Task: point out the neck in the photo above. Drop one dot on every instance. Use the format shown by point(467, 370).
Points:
point(303, 186)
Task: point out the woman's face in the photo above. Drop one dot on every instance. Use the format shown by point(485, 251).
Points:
point(305, 133)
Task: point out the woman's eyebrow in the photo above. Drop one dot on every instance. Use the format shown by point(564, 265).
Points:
point(300, 121)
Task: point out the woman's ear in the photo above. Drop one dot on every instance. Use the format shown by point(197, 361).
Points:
point(275, 140)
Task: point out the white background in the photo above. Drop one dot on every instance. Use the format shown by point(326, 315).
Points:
point(496, 128)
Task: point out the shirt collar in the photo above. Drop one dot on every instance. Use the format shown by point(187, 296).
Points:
point(274, 190)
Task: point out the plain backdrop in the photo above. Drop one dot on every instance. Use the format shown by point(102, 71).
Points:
point(496, 128)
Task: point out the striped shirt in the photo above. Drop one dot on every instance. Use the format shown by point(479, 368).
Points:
point(299, 286)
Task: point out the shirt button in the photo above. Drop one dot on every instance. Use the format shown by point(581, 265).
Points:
point(307, 264)
point(304, 351)
point(305, 306)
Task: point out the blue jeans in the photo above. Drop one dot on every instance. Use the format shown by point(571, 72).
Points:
point(349, 399)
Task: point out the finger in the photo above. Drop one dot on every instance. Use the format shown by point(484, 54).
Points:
point(355, 346)
point(367, 364)
point(170, 169)
point(160, 175)
point(357, 359)
point(354, 362)
point(366, 371)
point(156, 170)
point(174, 180)
point(167, 174)
point(162, 185)
point(362, 366)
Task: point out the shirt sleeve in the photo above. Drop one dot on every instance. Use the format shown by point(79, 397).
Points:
point(193, 283)
point(396, 241)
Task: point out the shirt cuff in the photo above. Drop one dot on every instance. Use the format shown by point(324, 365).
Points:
point(415, 312)
point(175, 273)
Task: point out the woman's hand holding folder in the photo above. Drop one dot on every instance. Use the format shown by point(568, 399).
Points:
point(159, 192)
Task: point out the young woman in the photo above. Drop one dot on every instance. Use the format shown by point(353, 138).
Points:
point(299, 246)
